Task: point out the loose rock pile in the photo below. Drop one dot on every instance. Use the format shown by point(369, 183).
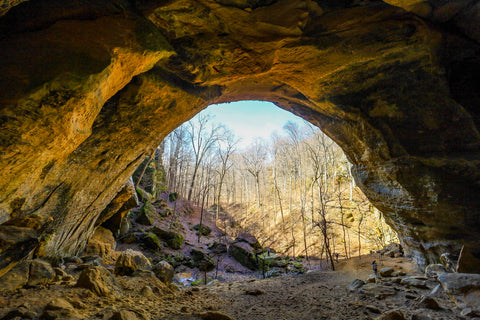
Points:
point(422, 291)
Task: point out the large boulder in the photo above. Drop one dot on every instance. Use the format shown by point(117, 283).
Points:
point(244, 253)
point(147, 215)
point(16, 243)
point(29, 272)
point(202, 230)
point(250, 239)
point(100, 281)
point(164, 271)
point(102, 243)
point(40, 273)
point(151, 241)
point(202, 260)
point(172, 239)
point(392, 250)
point(60, 308)
point(463, 288)
point(129, 261)
point(217, 248)
point(16, 278)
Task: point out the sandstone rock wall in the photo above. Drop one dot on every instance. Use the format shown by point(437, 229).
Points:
point(89, 88)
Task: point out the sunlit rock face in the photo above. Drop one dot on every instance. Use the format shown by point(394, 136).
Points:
point(90, 88)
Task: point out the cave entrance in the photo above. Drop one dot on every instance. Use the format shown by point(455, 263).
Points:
point(251, 167)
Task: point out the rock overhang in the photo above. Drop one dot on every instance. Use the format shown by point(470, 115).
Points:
point(376, 78)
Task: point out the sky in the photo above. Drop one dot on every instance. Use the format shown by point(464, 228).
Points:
point(251, 119)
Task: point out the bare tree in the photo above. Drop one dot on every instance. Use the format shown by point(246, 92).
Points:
point(202, 138)
point(254, 160)
point(225, 149)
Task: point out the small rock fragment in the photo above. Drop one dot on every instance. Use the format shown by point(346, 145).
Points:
point(372, 309)
point(434, 270)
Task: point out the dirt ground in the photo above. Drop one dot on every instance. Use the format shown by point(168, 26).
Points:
point(313, 295)
point(325, 295)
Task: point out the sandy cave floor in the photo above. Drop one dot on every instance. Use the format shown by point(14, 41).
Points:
point(314, 295)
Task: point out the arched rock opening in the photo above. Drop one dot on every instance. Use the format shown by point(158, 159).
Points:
point(89, 88)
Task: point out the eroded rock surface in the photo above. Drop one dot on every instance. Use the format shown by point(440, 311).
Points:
point(90, 88)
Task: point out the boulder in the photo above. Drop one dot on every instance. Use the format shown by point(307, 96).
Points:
point(272, 260)
point(377, 291)
point(16, 278)
point(398, 273)
point(391, 250)
point(131, 260)
point(202, 260)
point(463, 288)
point(102, 243)
point(414, 282)
point(41, 273)
point(22, 312)
point(217, 248)
point(371, 278)
point(202, 230)
point(58, 309)
point(143, 195)
point(356, 284)
point(16, 243)
point(250, 239)
point(29, 272)
point(164, 271)
point(244, 253)
point(172, 239)
point(100, 281)
point(147, 214)
point(469, 312)
point(151, 241)
point(386, 272)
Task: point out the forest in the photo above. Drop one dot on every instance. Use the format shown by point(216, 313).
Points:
point(294, 192)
